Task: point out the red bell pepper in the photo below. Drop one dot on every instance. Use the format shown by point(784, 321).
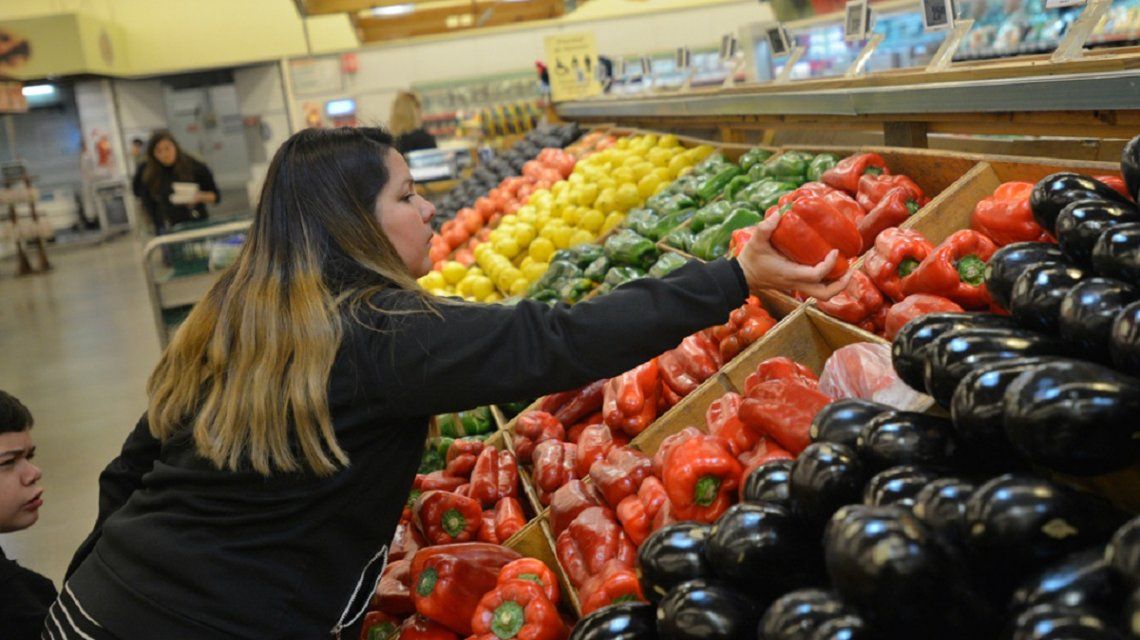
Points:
point(1116, 183)
point(666, 397)
point(783, 410)
point(555, 401)
point(857, 304)
point(574, 433)
point(437, 481)
point(765, 450)
point(393, 593)
point(746, 324)
point(586, 401)
point(620, 474)
point(636, 512)
point(532, 428)
point(842, 202)
point(569, 501)
point(554, 463)
point(879, 320)
point(378, 625)
point(723, 420)
point(956, 269)
point(1005, 217)
point(683, 369)
point(668, 444)
point(496, 476)
point(517, 610)
point(616, 583)
point(916, 306)
point(894, 209)
point(780, 368)
point(447, 517)
point(593, 446)
point(421, 628)
point(405, 542)
point(739, 239)
point(461, 457)
point(532, 570)
point(897, 253)
point(631, 399)
point(509, 518)
point(487, 529)
point(593, 539)
point(846, 174)
point(872, 190)
point(811, 228)
point(701, 476)
point(448, 581)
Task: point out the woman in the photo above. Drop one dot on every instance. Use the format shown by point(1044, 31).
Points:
point(166, 164)
point(407, 124)
point(287, 418)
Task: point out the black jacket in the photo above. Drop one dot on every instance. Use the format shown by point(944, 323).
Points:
point(25, 597)
point(415, 140)
point(183, 550)
point(162, 213)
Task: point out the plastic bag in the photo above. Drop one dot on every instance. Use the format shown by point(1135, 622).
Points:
point(864, 371)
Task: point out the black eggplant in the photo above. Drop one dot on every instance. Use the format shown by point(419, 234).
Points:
point(769, 483)
point(897, 485)
point(957, 353)
point(1081, 223)
point(1057, 191)
point(671, 555)
point(1057, 622)
point(1011, 260)
point(703, 610)
point(896, 571)
point(825, 477)
point(941, 505)
point(1117, 254)
point(1037, 295)
point(909, 351)
point(1123, 552)
point(762, 550)
point(797, 614)
point(905, 437)
point(978, 412)
point(1082, 579)
point(1130, 166)
point(842, 421)
point(1125, 339)
point(1074, 417)
point(1087, 312)
point(623, 621)
point(846, 627)
point(1015, 524)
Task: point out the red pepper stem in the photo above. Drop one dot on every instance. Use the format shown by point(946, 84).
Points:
point(382, 631)
point(427, 582)
point(629, 597)
point(912, 207)
point(705, 493)
point(873, 171)
point(907, 266)
point(508, 620)
point(453, 522)
point(972, 270)
point(530, 577)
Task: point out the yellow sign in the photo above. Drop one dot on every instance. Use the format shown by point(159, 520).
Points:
point(572, 63)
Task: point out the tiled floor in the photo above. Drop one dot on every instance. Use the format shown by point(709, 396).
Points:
point(76, 346)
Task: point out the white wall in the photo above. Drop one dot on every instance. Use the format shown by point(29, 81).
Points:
point(141, 108)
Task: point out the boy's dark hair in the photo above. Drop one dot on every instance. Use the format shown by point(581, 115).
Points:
point(14, 416)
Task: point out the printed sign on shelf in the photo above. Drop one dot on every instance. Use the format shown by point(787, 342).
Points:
point(937, 15)
point(855, 20)
point(572, 60)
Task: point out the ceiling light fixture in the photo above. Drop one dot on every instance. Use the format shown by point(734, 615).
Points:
point(393, 10)
point(37, 90)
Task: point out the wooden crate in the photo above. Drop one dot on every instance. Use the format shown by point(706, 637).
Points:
point(535, 540)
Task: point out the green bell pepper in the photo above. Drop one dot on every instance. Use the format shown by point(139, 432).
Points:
point(713, 242)
point(575, 290)
point(764, 193)
point(477, 421)
point(597, 269)
point(431, 461)
point(681, 238)
point(512, 409)
point(735, 186)
point(791, 165)
point(715, 183)
point(449, 425)
point(711, 163)
point(549, 296)
point(667, 263)
point(628, 248)
point(442, 445)
point(753, 157)
point(620, 275)
point(710, 215)
point(586, 254)
point(819, 165)
point(665, 204)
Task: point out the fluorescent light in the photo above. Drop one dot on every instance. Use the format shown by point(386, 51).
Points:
point(38, 90)
point(393, 10)
point(344, 107)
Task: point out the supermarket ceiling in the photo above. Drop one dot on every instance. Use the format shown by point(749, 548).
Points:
point(395, 19)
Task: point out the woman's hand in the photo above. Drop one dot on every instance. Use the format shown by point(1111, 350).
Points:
point(766, 268)
point(205, 197)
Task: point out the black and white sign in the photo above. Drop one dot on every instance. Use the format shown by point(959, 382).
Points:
point(684, 58)
point(778, 41)
point(646, 67)
point(855, 20)
point(728, 47)
point(937, 15)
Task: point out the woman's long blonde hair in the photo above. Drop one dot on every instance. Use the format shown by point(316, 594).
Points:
point(406, 115)
point(247, 373)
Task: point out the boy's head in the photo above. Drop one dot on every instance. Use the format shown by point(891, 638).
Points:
point(20, 495)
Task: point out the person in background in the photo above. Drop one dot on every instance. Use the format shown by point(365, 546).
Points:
point(407, 124)
point(24, 594)
point(138, 152)
point(165, 165)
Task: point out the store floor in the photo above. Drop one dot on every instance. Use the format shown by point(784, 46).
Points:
point(76, 346)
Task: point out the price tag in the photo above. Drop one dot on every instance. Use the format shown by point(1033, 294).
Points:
point(937, 15)
point(683, 59)
point(727, 47)
point(778, 41)
point(646, 67)
point(1060, 4)
point(626, 68)
point(856, 16)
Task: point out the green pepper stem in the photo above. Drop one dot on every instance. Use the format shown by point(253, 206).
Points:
point(453, 522)
point(427, 582)
point(705, 493)
point(907, 266)
point(972, 270)
point(508, 620)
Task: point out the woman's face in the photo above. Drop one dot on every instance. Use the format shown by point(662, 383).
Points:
point(405, 215)
point(165, 152)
